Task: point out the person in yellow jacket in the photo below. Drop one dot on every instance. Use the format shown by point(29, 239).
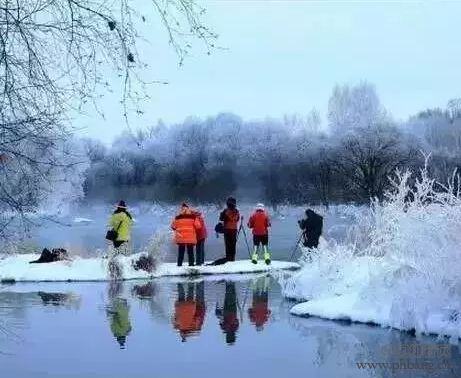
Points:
point(121, 221)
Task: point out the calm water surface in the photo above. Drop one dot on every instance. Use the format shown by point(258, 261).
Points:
point(178, 328)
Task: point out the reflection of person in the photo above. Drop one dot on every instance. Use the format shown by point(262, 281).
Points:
point(189, 311)
point(227, 315)
point(120, 324)
point(259, 312)
point(312, 227)
point(200, 312)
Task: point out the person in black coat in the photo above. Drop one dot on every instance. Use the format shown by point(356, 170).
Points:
point(312, 227)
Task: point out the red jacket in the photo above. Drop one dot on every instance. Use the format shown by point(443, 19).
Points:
point(202, 231)
point(230, 218)
point(259, 222)
point(259, 313)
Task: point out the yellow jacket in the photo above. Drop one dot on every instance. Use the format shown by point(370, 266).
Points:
point(124, 231)
point(120, 324)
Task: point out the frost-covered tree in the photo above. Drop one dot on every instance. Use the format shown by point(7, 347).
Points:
point(353, 107)
point(307, 125)
point(265, 154)
point(276, 160)
point(368, 155)
point(57, 57)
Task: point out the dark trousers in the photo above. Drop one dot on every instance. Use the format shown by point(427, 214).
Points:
point(200, 252)
point(230, 241)
point(260, 239)
point(118, 243)
point(182, 293)
point(190, 253)
point(311, 240)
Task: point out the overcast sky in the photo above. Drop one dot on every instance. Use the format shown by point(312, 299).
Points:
point(286, 56)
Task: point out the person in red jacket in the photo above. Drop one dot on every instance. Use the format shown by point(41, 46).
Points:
point(185, 225)
point(202, 234)
point(230, 218)
point(260, 222)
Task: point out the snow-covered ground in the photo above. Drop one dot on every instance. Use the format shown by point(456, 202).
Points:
point(17, 268)
point(399, 267)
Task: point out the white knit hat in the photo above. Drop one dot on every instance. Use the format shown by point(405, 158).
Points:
point(260, 206)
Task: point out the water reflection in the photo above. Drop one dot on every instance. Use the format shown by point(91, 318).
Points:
point(189, 309)
point(227, 314)
point(60, 299)
point(146, 291)
point(118, 313)
point(204, 316)
point(356, 350)
point(259, 312)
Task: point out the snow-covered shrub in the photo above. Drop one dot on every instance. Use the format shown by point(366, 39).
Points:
point(402, 261)
point(154, 253)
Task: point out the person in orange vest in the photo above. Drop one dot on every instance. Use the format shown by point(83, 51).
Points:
point(230, 219)
point(202, 234)
point(259, 312)
point(185, 225)
point(260, 222)
point(185, 309)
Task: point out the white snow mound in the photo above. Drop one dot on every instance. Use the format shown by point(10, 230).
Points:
point(400, 266)
point(17, 268)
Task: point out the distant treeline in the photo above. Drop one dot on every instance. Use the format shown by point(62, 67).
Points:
point(291, 160)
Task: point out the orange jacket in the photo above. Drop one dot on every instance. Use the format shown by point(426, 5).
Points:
point(184, 316)
point(259, 222)
point(202, 232)
point(230, 218)
point(185, 226)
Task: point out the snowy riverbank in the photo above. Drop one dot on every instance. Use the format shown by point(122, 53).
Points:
point(400, 268)
point(17, 268)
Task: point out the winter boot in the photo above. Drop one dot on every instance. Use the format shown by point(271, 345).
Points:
point(254, 257)
point(267, 256)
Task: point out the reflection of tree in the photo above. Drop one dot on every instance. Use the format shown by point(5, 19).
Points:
point(342, 347)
